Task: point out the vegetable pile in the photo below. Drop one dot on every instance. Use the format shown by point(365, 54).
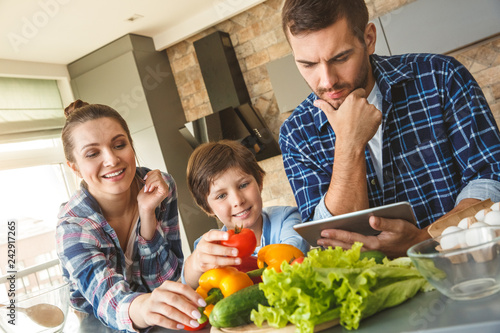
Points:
point(218, 283)
point(234, 310)
point(335, 284)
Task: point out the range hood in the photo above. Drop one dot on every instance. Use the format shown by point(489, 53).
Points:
point(234, 117)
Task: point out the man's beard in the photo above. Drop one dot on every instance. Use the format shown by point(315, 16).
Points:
point(360, 82)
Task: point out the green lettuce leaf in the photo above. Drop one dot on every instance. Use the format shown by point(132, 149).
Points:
point(334, 283)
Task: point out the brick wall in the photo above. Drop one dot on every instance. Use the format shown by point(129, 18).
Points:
point(483, 61)
point(257, 38)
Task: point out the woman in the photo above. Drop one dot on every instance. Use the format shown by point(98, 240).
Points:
point(118, 235)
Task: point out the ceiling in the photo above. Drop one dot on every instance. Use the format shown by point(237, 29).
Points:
point(38, 38)
point(62, 31)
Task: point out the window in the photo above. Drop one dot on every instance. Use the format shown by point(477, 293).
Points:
point(29, 108)
point(34, 177)
point(31, 194)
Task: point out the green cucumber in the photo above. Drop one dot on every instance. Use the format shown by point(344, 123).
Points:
point(235, 309)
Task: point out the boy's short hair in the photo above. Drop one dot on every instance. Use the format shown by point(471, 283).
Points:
point(210, 160)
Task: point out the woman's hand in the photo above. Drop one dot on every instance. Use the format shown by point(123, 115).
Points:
point(172, 305)
point(209, 253)
point(394, 240)
point(154, 191)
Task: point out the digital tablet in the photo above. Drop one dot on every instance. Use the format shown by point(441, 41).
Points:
point(355, 221)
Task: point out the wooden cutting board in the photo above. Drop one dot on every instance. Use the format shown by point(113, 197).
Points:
point(252, 328)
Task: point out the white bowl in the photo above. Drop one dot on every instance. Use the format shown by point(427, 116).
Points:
point(51, 304)
point(469, 270)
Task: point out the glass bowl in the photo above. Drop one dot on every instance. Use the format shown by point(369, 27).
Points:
point(469, 268)
point(42, 311)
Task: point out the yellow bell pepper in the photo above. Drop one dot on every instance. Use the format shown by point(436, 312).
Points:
point(271, 256)
point(218, 283)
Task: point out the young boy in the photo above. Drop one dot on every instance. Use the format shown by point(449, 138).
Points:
point(226, 181)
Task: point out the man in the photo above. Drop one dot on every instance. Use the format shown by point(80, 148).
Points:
point(379, 130)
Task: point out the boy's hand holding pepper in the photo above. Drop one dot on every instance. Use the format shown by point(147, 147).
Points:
point(219, 249)
point(209, 254)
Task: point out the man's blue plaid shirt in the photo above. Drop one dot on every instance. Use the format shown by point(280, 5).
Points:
point(439, 140)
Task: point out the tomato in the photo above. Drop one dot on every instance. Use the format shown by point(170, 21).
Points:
point(243, 239)
point(299, 260)
point(189, 328)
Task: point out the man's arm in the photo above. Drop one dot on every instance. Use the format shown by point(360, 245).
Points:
point(465, 203)
point(354, 124)
point(309, 151)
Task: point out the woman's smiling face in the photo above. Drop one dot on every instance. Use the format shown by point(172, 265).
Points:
point(104, 157)
point(235, 198)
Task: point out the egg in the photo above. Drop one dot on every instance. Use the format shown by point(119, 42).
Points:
point(466, 222)
point(492, 218)
point(451, 239)
point(478, 225)
point(450, 230)
point(481, 214)
point(495, 206)
point(476, 235)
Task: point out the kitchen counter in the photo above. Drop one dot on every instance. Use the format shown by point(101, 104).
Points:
point(433, 312)
point(427, 313)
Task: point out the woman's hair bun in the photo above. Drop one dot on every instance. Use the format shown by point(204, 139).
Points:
point(74, 106)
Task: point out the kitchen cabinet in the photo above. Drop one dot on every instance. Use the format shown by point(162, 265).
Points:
point(442, 26)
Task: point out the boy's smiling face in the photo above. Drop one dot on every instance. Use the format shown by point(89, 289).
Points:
point(235, 198)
